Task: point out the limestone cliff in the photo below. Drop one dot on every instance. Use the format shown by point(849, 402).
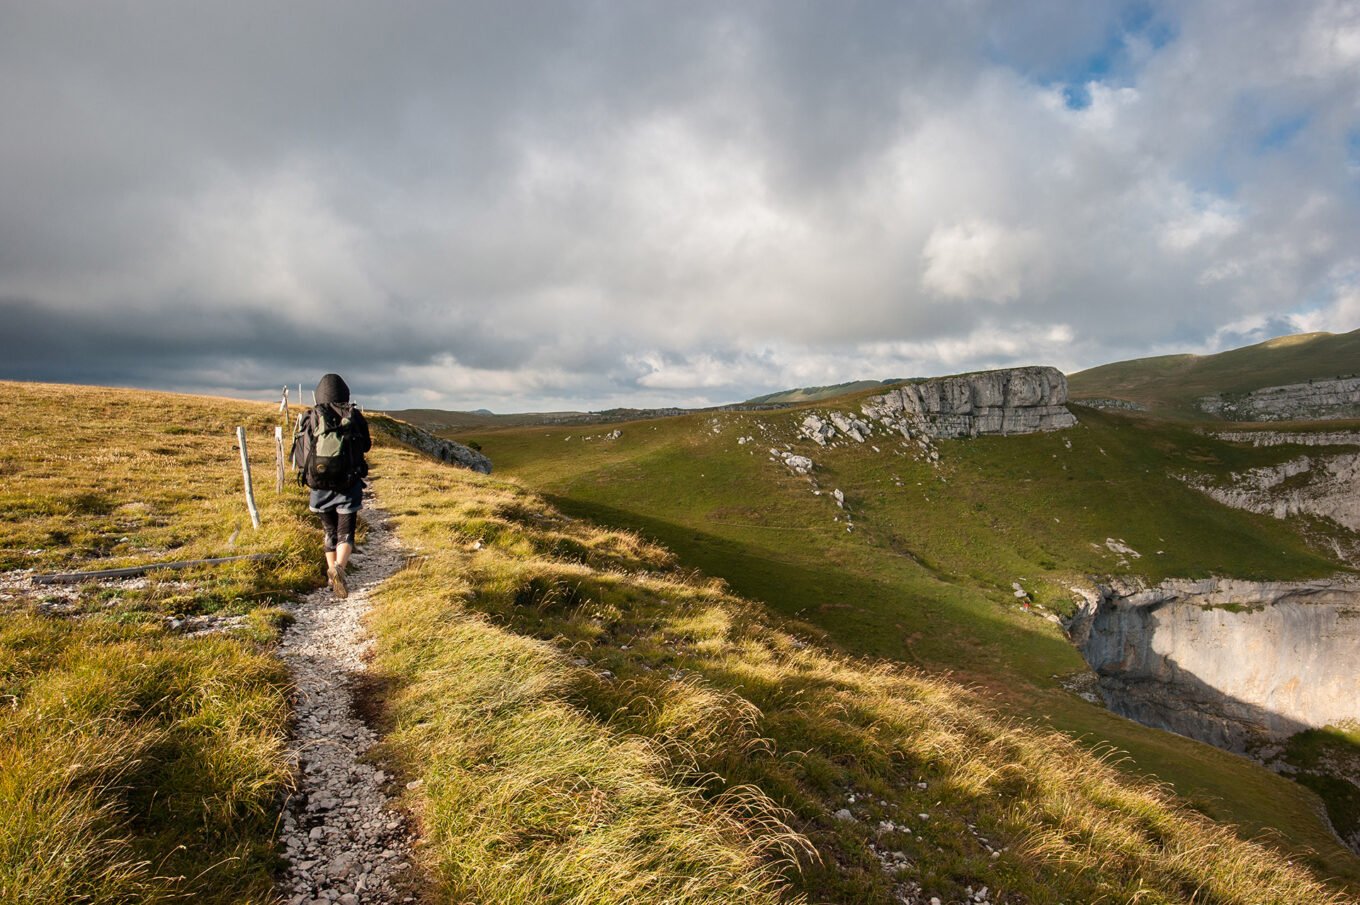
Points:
point(1316, 400)
point(1326, 486)
point(1008, 401)
point(444, 450)
point(1291, 438)
point(1232, 663)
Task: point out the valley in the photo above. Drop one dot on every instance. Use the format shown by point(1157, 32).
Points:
point(962, 555)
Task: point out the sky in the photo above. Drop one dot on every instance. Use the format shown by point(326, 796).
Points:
point(580, 205)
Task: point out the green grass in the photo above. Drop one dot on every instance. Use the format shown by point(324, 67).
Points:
point(590, 722)
point(925, 577)
point(1171, 383)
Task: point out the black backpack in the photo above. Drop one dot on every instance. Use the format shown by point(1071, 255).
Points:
point(325, 448)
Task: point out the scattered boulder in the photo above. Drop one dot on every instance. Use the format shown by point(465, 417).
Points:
point(800, 465)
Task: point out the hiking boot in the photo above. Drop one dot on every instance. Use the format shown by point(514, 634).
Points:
point(337, 578)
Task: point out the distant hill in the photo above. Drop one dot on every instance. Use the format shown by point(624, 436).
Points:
point(803, 395)
point(1172, 383)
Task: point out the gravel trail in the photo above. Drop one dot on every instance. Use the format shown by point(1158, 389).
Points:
point(343, 840)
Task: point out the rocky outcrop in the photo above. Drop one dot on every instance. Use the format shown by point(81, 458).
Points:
point(1232, 663)
point(1123, 405)
point(823, 430)
point(1337, 397)
point(1009, 401)
point(446, 451)
point(1309, 485)
point(1291, 438)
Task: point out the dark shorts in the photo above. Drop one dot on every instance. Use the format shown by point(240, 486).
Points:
point(342, 501)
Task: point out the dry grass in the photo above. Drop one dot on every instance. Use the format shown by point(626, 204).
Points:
point(559, 688)
point(136, 764)
point(102, 478)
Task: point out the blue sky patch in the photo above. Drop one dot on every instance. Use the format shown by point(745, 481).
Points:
point(1281, 132)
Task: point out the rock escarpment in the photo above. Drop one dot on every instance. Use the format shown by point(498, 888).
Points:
point(444, 450)
point(1316, 400)
point(1109, 404)
point(1291, 438)
point(1008, 401)
point(1231, 663)
point(1326, 486)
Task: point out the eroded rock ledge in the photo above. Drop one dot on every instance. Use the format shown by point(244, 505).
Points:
point(1231, 663)
point(1008, 401)
point(1326, 486)
point(1337, 397)
point(444, 450)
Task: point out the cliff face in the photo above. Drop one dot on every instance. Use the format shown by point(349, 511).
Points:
point(1232, 663)
point(1009, 401)
point(1327, 487)
point(1317, 399)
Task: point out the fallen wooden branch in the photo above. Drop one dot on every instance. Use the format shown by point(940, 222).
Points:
point(77, 577)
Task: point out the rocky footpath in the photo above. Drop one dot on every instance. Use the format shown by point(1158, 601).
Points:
point(342, 839)
point(1324, 399)
point(1231, 663)
point(1008, 401)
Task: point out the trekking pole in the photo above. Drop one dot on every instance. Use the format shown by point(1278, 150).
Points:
point(245, 472)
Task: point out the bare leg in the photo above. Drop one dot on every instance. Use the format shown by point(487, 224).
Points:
point(330, 560)
point(340, 558)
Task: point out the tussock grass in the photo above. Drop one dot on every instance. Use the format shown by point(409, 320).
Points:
point(581, 722)
point(136, 764)
point(526, 798)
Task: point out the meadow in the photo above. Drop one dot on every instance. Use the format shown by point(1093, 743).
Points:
point(573, 713)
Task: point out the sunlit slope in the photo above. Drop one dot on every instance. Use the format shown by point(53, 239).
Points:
point(1172, 383)
point(529, 654)
point(926, 573)
point(138, 763)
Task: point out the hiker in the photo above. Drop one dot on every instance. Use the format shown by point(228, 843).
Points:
point(328, 453)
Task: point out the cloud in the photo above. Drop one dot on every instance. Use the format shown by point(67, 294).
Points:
point(979, 260)
point(539, 205)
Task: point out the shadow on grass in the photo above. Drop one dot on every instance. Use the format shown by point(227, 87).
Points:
point(920, 620)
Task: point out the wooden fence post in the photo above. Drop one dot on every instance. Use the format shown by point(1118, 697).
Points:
point(278, 453)
point(283, 405)
point(245, 473)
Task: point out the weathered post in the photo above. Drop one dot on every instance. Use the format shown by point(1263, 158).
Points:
point(245, 473)
point(283, 405)
point(278, 453)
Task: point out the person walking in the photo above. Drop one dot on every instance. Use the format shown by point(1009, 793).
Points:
point(328, 453)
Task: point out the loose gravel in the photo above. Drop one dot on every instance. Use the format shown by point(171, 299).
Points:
point(342, 838)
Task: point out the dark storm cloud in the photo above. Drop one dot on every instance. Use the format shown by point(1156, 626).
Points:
point(589, 203)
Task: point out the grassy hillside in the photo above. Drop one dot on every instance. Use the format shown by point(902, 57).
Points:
point(926, 574)
point(1172, 383)
point(575, 714)
point(816, 394)
point(138, 764)
point(629, 695)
